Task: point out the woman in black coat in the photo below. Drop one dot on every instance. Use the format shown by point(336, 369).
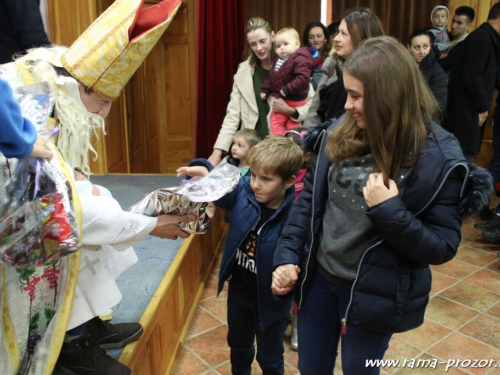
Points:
point(420, 47)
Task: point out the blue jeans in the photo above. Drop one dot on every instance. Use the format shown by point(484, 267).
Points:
point(320, 326)
point(244, 326)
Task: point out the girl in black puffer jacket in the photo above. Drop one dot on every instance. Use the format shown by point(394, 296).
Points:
point(384, 200)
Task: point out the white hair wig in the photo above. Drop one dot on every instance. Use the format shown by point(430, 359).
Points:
point(78, 126)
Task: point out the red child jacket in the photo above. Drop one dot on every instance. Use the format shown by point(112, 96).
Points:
point(293, 77)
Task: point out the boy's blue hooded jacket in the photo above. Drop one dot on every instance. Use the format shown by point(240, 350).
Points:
point(245, 216)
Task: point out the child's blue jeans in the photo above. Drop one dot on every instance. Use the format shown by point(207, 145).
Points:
point(244, 327)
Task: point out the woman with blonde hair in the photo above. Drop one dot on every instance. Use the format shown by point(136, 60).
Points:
point(357, 25)
point(383, 202)
point(245, 108)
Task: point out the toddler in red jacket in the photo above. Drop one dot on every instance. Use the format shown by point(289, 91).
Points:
point(289, 76)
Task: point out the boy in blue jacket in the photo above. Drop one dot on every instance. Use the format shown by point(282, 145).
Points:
point(260, 206)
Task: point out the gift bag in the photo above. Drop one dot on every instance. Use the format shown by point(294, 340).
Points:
point(194, 196)
point(37, 222)
point(36, 103)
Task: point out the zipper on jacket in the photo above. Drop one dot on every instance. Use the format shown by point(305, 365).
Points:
point(312, 225)
point(344, 320)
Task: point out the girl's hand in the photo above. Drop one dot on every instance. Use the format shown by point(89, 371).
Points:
point(376, 191)
point(192, 171)
point(284, 278)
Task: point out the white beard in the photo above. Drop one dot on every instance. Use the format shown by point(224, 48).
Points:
point(78, 126)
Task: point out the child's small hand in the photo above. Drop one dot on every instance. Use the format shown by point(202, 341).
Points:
point(263, 96)
point(192, 171)
point(284, 278)
point(282, 93)
point(41, 149)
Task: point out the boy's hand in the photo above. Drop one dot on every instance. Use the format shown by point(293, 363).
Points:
point(482, 118)
point(263, 96)
point(192, 171)
point(168, 226)
point(284, 278)
point(376, 191)
point(41, 149)
point(282, 93)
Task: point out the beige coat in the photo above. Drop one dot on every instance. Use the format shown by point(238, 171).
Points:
point(242, 107)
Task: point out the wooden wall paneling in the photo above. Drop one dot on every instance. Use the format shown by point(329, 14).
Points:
point(139, 120)
point(482, 10)
point(177, 134)
point(113, 158)
point(68, 19)
point(280, 14)
point(152, 123)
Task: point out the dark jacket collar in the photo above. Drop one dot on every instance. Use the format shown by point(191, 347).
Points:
point(495, 37)
point(428, 60)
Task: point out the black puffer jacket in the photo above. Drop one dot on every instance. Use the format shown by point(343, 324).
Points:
point(436, 78)
point(21, 27)
point(415, 229)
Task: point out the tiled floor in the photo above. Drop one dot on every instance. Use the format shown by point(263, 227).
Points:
point(462, 320)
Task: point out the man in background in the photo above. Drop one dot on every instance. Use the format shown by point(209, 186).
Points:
point(472, 82)
point(21, 28)
point(460, 26)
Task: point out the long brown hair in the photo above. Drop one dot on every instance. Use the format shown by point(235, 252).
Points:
point(362, 24)
point(253, 24)
point(325, 52)
point(397, 107)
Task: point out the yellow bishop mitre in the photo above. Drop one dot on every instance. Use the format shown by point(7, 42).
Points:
point(109, 52)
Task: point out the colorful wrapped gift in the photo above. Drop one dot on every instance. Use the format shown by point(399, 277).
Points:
point(37, 224)
point(194, 196)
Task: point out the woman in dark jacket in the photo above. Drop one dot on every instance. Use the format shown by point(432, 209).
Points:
point(420, 47)
point(382, 203)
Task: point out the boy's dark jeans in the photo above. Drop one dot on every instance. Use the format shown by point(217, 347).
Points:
point(244, 327)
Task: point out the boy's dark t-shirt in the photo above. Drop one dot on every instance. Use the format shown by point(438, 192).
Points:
point(245, 269)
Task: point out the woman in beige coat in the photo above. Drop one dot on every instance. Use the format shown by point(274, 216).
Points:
point(245, 108)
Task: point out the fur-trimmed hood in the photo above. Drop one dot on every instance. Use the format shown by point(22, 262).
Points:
point(478, 183)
